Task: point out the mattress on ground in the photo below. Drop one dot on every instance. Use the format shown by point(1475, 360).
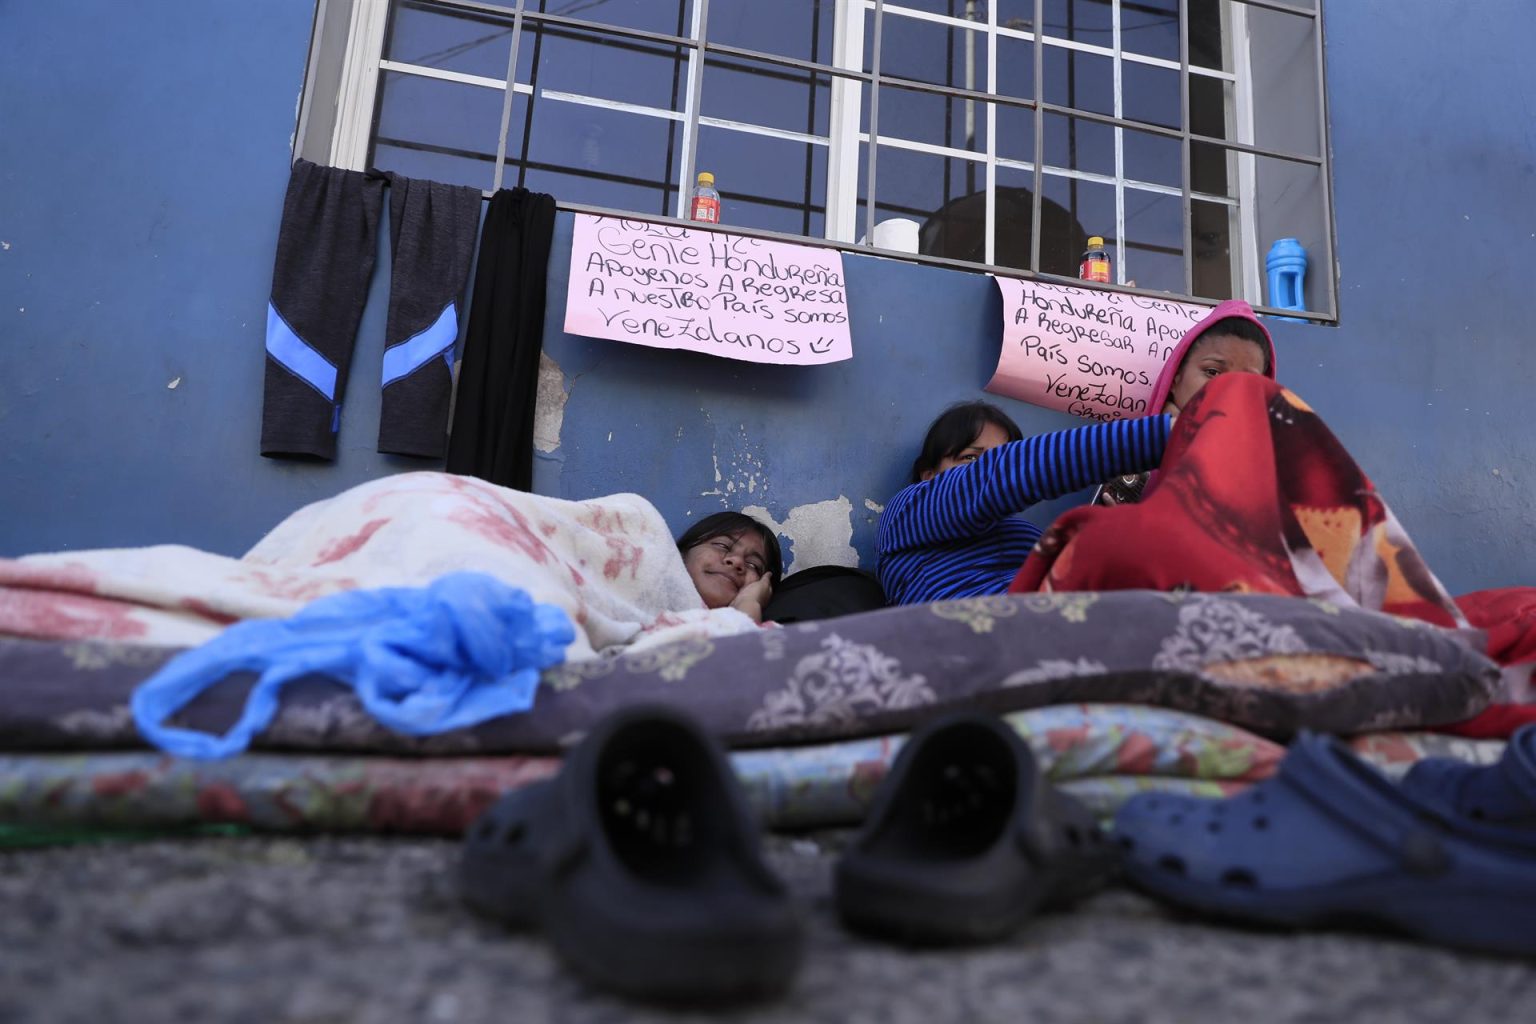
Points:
point(1266, 663)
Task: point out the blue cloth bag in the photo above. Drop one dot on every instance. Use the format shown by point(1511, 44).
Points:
point(462, 650)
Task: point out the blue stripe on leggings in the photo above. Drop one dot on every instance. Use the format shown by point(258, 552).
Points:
point(296, 355)
point(410, 355)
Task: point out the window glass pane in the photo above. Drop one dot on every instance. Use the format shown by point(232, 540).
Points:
point(1213, 228)
point(767, 183)
point(1081, 208)
point(1211, 111)
point(1291, 206)
point(945, 196)
point(1154, 241)
point(1015, 213)
point(789, 28)
point(974, 11)
point(1016, 133)
point(1151, 94)
point(467, 42)
point(672, 17)
point(443, 131)
point(1079, 145)
point(1150, 27)
point(927, 51)
point(954, 231)
point(775, 215)
point(1283, 59)
point(1206, 49)
point(1082, 81)
point(435, 165)
point(931, 118)
point(948, 8)
point(765, 94)
point(586, 154)
point(1152, 158)
point(608, 67)
point(1083, 21)
point(1213, 169)
point(1015, 14)
point(626, 195)
point(1015, 67)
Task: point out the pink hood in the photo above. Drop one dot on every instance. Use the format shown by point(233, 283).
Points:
point(1232, 307)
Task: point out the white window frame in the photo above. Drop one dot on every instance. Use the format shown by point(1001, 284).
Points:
point(363, 63)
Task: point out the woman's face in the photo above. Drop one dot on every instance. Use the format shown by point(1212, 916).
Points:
point(721, 566)
point(1209, 358)
point(990, 437)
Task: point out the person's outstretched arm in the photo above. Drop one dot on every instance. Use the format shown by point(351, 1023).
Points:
point(1007, 479)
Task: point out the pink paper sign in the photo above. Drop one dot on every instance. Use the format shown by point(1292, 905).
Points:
point(1091, 353)
point(707, 291)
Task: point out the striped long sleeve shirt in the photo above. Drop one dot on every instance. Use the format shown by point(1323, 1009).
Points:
point(959, 535)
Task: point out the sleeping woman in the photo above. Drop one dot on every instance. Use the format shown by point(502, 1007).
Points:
point(611, 563)
point(733, 560)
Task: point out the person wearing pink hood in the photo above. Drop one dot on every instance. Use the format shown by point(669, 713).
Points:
point(1229, 340)
point(955, 532)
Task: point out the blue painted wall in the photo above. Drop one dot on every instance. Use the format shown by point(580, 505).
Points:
point(144, 149)
point(142, 164)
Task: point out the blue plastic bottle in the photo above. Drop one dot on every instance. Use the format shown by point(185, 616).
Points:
point(1287, 267)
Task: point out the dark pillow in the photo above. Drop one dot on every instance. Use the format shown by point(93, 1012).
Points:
point(1267, 663)
point(824, 592)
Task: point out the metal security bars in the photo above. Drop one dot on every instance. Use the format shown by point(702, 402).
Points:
point(1190, 134)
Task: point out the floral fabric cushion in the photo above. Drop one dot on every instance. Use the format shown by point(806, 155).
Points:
point(1102, 752)
point(1267, 663)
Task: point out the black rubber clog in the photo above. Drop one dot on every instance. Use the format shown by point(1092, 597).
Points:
point(640, 863)
point(966, 840)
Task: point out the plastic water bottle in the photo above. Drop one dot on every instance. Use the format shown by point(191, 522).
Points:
point(1287, 267)
point(1095, 264)
point(706, 200)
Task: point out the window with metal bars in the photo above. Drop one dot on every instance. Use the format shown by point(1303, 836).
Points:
point(1189, 134)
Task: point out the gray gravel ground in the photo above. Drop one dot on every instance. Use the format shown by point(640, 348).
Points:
point(333, 930)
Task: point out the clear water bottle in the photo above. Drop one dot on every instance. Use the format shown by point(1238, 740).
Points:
point(1095, 263)
point(706, 200)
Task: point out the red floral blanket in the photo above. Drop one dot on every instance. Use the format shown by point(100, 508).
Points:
point(1256, 495)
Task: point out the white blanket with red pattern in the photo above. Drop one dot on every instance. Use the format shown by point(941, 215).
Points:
point(610, 562)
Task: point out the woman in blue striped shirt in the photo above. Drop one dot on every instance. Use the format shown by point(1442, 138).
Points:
point(955, 530)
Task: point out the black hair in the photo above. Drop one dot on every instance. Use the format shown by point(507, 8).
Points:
point(954, 431)
point(1237, 327)
point(733, 524)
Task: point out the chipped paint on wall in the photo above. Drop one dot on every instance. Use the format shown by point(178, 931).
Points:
point(549, 406)
point(819, 533)
point(743, 471)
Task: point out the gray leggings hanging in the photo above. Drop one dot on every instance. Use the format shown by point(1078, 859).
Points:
point(325, 259)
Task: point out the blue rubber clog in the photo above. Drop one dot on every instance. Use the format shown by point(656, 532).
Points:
point(1503, 793)
point(1331, 840)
